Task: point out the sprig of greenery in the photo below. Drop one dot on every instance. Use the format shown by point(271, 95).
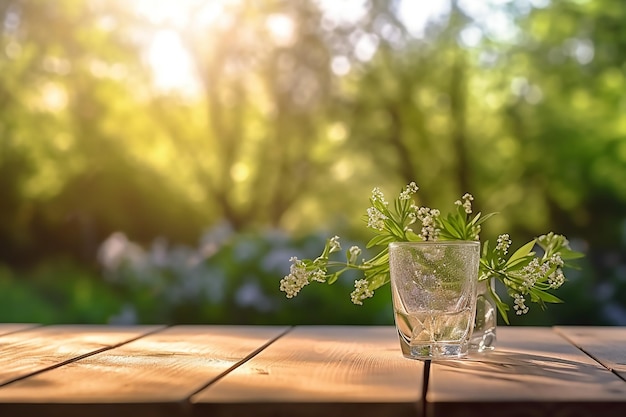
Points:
point(523, 273)
point(526, 274)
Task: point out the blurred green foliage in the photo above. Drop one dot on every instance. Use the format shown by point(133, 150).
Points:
point(297, 111)
point(56, 292)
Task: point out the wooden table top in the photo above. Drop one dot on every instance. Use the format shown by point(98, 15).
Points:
point(76, 370)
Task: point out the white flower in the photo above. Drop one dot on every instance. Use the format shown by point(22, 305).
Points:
point(428, 217)
point(556, 260)
point(409, 190)
point(375, 219)
point(378, 195)
point(504, 243)
point(335, 246)
point(520, 306)
point(317, 275)
point(529, 282)
point(530, 275)
point(299, 277)
point(466, 203)
point(354, 252)
point(533, 272)
point(361, 291)
point(556, 279)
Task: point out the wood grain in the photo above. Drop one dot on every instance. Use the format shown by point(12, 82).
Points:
point(321, 371)
point(40, 348)
point(151, 376)
point(533, 372)
point(607, 345)
point(216, 371)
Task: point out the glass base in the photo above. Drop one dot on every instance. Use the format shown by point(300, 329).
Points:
point(436, 351)
point(484, 342)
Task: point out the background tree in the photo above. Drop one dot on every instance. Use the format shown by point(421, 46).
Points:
point(300, 109)
point(265, 80)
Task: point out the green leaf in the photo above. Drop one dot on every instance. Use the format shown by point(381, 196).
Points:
point(398, 206)
point(484, 218)
point(485, 253)
point(393, 228)
point(412, 236)
point(518, 263)
point(450, 228)
point(521, 252)
point(547, 297)
point(379, 240)
point(458, 224)
point(567, 254)
point(475, 220)
point(503, 308)
point(378, 280)
point(381, 258)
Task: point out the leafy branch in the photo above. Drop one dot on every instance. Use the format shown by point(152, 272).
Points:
point(523, 273)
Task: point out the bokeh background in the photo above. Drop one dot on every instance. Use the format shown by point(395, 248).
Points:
point(161, 161)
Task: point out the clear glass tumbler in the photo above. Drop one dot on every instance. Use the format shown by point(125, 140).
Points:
point(433, 288)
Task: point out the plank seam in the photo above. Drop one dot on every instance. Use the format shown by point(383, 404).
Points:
point(77, 358)
point(598, 361)
point(425, 380)
point(238, 364)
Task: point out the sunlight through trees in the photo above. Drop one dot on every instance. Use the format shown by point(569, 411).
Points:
point(167, 118)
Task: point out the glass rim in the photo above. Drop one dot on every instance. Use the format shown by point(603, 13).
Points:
point(436, 242)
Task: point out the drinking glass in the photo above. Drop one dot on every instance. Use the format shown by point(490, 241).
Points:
point(433, 287)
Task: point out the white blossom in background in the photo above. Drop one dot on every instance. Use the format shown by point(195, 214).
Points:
point(127, 316)
point(250, 294)
point(117, 249)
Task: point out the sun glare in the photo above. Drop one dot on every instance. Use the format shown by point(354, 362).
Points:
point(164, 11)
point(167, 55)
point(173, 67)
point(171, 63)
point(282, 29)
point(416, 14)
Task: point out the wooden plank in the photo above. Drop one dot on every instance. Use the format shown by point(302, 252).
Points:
point(40, 348)
point(533, 372)
point(6, 328)
point(151, 376)
point(321, 371)
point(607, 345)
